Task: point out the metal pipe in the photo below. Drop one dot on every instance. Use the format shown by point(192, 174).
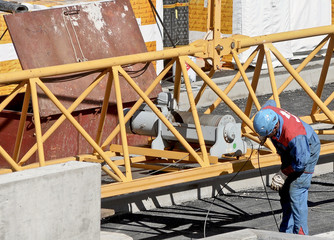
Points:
point(62, 118)
point(324, 71)
point(177, 81)
point(11, 96)
point(104, 108)
point(272, 75)
point(121, 121)
point(23, 118)
point(81, 130)
point(15, 77)
point(233, 82)
point(303, 64)
point(285, 36)
point(302, 83)
point(138, 104)
point(12, 7)
point(194, 112)
point(10, 160)
point(246, 80)
point(227, 100)
point(255, 81)
point(204, 85)
point(38, 128)
point(163, 118)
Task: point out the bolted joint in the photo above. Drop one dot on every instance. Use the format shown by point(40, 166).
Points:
point(219, 48)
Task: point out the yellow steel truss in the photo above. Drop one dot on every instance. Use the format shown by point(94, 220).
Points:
point(199, 163)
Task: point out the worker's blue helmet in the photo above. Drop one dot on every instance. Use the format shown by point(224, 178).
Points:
point(265, 121)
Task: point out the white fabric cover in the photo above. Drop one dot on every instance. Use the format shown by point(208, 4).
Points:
point(261, 17)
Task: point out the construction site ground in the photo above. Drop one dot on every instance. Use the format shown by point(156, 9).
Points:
point(225, 213)
point(233, 210)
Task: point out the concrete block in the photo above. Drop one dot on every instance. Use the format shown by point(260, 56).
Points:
point(329, 235)
point(53, 202)
point(113, 236)
point(253, 234)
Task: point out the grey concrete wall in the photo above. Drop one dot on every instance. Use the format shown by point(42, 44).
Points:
point(51, 203)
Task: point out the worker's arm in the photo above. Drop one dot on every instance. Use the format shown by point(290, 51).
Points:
point(300, 153)
point(293, 160)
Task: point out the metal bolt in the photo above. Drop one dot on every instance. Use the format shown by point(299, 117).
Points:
point(219, 47)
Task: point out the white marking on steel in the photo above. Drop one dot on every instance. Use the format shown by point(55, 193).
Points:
point(95, 15)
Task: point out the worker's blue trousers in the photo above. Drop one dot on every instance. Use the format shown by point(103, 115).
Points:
point(294, 196)
point(294, 205)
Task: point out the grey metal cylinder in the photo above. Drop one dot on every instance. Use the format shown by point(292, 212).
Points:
point(205, 119)
point(12, 7)
point(142, 123)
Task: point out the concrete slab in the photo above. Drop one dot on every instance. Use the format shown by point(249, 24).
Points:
point(53, 202)
point(104, 235)
point(231, 210)
point(253, 234)
point(329, 235)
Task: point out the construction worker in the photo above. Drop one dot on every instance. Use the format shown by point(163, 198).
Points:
point(299, 148)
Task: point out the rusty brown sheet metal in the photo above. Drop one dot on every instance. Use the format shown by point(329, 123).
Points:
point(77, 33)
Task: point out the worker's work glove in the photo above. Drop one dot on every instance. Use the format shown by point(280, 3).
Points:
point(278, 181)
point(262, 139)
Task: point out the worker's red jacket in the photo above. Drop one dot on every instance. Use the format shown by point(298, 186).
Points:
point(295, 141)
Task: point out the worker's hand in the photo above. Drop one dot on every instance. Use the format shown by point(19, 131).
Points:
point(278, 181)
point(262, 140)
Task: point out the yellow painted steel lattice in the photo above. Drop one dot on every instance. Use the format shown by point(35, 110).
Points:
point(199, 164)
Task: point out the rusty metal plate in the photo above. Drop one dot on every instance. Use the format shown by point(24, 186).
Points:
point(77, 33)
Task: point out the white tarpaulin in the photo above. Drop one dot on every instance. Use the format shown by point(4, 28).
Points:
point(307, 14)
point(261, 17)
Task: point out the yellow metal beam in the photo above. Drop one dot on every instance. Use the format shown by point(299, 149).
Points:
point(128, 173)
point(193, 108)
point(271, 75)
point(324, 71)
point(20, 130)
point(82, 131)
point(62, 118)
point(285, 36)
point(38, 127)
point(302, 83)
point(188, 175)
point(140, 101)
point(163, 118)
point(202, 164)
point(165, 154)
point(16, 77)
